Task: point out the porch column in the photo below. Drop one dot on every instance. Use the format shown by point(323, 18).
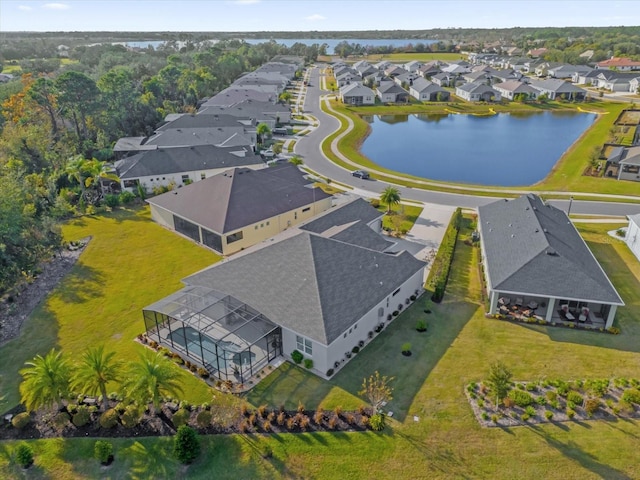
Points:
point(493, 302)
point(550, 309)
point(611, 316)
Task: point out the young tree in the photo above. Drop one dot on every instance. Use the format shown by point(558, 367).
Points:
point(262, 130)
point(95, 370)
point(390, 196)
point(377, 390)
point(285, 97)
point(186, 445)
point(46, 381)
point(499, 380)
point(296, 160)
point(152, 378)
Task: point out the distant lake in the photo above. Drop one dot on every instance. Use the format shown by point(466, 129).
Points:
point(503, 149)
point(332, 42)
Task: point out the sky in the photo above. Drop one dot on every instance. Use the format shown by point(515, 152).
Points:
point(307, 15)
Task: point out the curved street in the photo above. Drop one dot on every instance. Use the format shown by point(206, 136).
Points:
point(309, 148)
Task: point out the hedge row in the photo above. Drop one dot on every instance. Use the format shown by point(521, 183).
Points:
point(439, 273)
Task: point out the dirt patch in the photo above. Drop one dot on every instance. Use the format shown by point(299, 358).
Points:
point(17, 305)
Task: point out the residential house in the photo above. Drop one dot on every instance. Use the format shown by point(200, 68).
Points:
point(383, 65)
point(537, 264)
point(357, 94)
point(181, 165)
point(476, 77)
point(628, 161)
point(234, 95)
point(444, 79)
point(566, 71)
point(427, 91)
point(406, 79)
point(536, 52)
point(394, 70)
point(586, 78)
point(240, 207)
point(512, 51)
point(516, 63)
point(347, 78)
point(634, 85)
point(632, 238)
point(263, 112)
point(614, 81)
point(555, 89)
point(620, 64)
point(542, 69)
point(513, 89)
point(390, 92)
point(321, 293)
point(413, 66)
point(365, 70)
point(429, 69)
point(478, 92)
point(505, 75)
point(530, 65)
point(456, 68)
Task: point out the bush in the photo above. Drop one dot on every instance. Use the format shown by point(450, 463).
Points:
point(126, 197)
point(24, 455)
point(406, 347)
point(570, 413)
point(375, 203)
point(631, 396)
point(329, 372)
point(525, 417)
point(551, 395)
point(355, 349)
point(82, 416)
point(591, 406)
point(103, 451)
point(396, 313)
point(531, 411)
point(421, 325)
point(61, 420)
point(109, 419)
point(308, 363)
point(21, 420)
point(203, 419)
point(111, 200)
point(548, 414)
point(181, 417)
point(613, 330)
point(376, 422)
point(521, 398)
point(203, 372)
point(361, 343)
point(575, 397)
point(131, 416)
point(297, 357)
point(186, 445)
point(439, 273)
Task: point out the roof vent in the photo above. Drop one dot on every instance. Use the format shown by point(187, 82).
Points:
point(551, 251)
point(513, 236)
point(545, 230)
point(537, 230)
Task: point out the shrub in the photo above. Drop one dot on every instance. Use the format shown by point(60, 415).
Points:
point(333, 422)
point(329, 372)
point(82, 416)
point(109, 419)
point(126, 197)
point(24, 455)
point(262, 411)
point(266, 451)
point(308, 363)
point(186, 445)
point(570, 413)
point(131, 416)
point(531, 411)
point(361, 343)
point(297, 357)
point(375, 203)
point(111, 200)
point(591, 406)
point(484, 416)
point(551, 395)
point(575, 397)
point(525, 417)
point(531, 387)
point(376, 422)
point(181, 417)
point(355, 349)
point(203, 372)
point(521, 398)
point(300, 408)
point(396, 313)
point(61, 420)
point(406, 347)
point(631, 396)
point(599, 387)
point(318, 417)
point(541, 401)
point(548, 414)
point(439, 273)
point(281, 418)
point(21, 420)
point(203, 419)
point(338, 410)
point(613, 330)
point(421, 325)
point(103, 451)
point(494, 418)
point(266, 426)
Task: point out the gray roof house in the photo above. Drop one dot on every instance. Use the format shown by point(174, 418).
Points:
point(444, 79)
point(239, 207)
point(536, 263)
point(427, 91)
point(557, 88)
point(357, 94)
point(567, 71)
point(512, 88)
point(181, 165)
point(628, 161)
point(390, 92)
point(477, 92)
point(263, 112)
point(235, 94)
point(614, 81)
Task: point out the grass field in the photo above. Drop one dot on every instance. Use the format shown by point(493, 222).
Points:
point(446, 441)
point(129, 263)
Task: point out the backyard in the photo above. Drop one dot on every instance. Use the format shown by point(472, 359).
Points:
point(459, 345)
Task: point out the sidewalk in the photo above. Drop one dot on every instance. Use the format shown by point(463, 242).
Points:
point(430, 228)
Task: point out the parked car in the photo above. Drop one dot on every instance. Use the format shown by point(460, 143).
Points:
point(269, 153)
point(361, 174)
point(281, 131)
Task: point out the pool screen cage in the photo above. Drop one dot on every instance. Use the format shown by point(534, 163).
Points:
point(222, 334)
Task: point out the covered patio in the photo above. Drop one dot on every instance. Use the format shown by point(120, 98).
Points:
point(228, 338)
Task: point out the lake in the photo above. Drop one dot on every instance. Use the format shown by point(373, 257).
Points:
point(332, 42)
point(503, 149)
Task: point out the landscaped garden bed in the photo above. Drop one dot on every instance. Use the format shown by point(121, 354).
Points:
point(555, 401)
point(535, 320)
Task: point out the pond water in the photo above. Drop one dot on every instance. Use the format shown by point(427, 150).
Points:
point(503, 149)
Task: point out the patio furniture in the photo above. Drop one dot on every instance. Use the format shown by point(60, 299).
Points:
point(504, 301)
point(519, 302)
point(532, 305)
point(569, 316)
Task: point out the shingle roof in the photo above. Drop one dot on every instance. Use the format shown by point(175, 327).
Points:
point(356, 89)
point(240, 197)
point(184, 159)
point(533, 248)
point(183, 137)
point(423, 85)
point(515, 86)
point(358, 209)
point(556, 85)
point(315, 286)
point(390, 87)
point(207, 121)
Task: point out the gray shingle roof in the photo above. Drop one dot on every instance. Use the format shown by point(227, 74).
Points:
point(533, 248)
point(239, 197)
point(315, 286)
point(556, 85)
point(358, 209)
point(183, 159)
point(363, 236)
point(207, 121)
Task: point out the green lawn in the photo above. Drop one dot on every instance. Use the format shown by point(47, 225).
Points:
point(129, 263)
point(446, 442)
point(405, 214)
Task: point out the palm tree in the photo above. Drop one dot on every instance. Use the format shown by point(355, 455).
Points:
point(88, 174)
point(296, 160)
point(390, 196)
point(151, 379)
point(46, 381)
point(262, 129)
point(95, 370)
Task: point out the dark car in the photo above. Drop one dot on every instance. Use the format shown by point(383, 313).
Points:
point(360, 174)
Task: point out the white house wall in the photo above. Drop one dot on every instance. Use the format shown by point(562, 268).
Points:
point(162, 217)
point(633, 238)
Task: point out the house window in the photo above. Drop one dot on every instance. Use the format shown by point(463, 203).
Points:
point(256, 227)
point(304, 345)
point(202, 176)
point(295, 215)
point(395, 293)
point(306, 209)
point(185, 178)
point(130, 183)
point(267, 224)
point(234, 237)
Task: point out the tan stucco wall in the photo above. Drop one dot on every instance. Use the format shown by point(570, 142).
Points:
point(162, 217)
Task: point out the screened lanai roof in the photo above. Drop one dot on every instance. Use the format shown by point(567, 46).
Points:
point(229, 322)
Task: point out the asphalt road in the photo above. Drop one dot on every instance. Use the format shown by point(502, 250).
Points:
point(308, 147)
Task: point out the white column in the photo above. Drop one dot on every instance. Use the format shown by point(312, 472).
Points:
point(611, 316)
point(493, 302)
point(550, 309)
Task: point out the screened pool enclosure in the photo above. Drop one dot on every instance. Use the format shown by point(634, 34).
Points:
point(227, 337)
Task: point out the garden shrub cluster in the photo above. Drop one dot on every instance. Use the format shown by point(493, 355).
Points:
point(439, 273)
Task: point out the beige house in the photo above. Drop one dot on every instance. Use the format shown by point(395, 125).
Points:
point(240, 207)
